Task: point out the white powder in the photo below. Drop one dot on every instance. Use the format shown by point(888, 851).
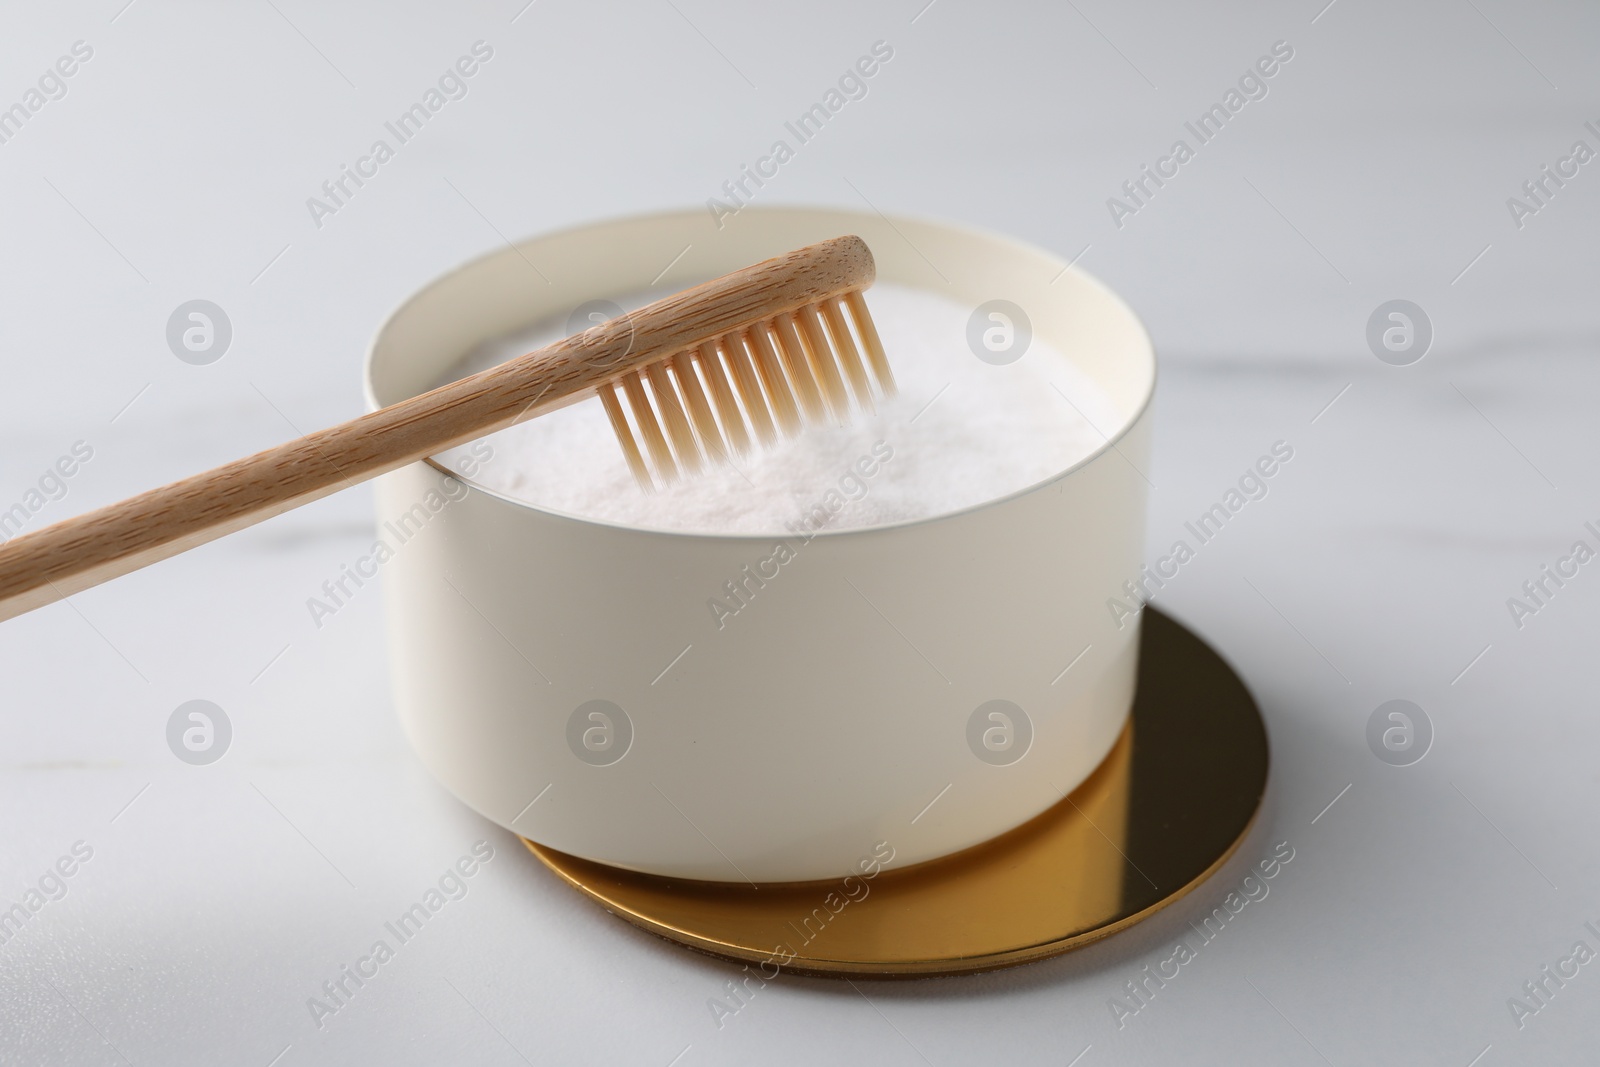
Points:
point(961, 432)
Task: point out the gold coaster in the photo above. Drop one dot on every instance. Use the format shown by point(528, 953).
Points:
point(1164, 810)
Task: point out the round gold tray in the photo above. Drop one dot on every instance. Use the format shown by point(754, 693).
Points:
point(1164, 810)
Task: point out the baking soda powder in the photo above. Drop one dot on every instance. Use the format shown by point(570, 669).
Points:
point(960, 432)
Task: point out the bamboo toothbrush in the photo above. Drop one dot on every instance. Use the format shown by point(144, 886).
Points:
point(694, 376)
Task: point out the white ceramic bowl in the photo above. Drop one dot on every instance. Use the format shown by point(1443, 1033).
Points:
point(528, 647)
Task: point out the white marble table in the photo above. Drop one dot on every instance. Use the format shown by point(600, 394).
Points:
point(216, 900)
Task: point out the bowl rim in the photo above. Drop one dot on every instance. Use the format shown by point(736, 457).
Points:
point(1140, 411)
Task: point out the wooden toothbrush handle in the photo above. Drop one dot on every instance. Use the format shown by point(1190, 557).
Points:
point(72, 555)
point(44, 566)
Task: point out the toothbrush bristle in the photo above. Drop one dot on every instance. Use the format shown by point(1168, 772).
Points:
point(870, 341)
point(748, 383)
point(722, 396)
point(645, 419)
point(679, 431)
point(773, 382)
point(823, 365)
point(694, 396)
point(619, 426)
point(849, 356)
point(798, 368)
point(764, 382)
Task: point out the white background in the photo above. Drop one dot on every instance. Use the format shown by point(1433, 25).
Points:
point(1378, 167)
